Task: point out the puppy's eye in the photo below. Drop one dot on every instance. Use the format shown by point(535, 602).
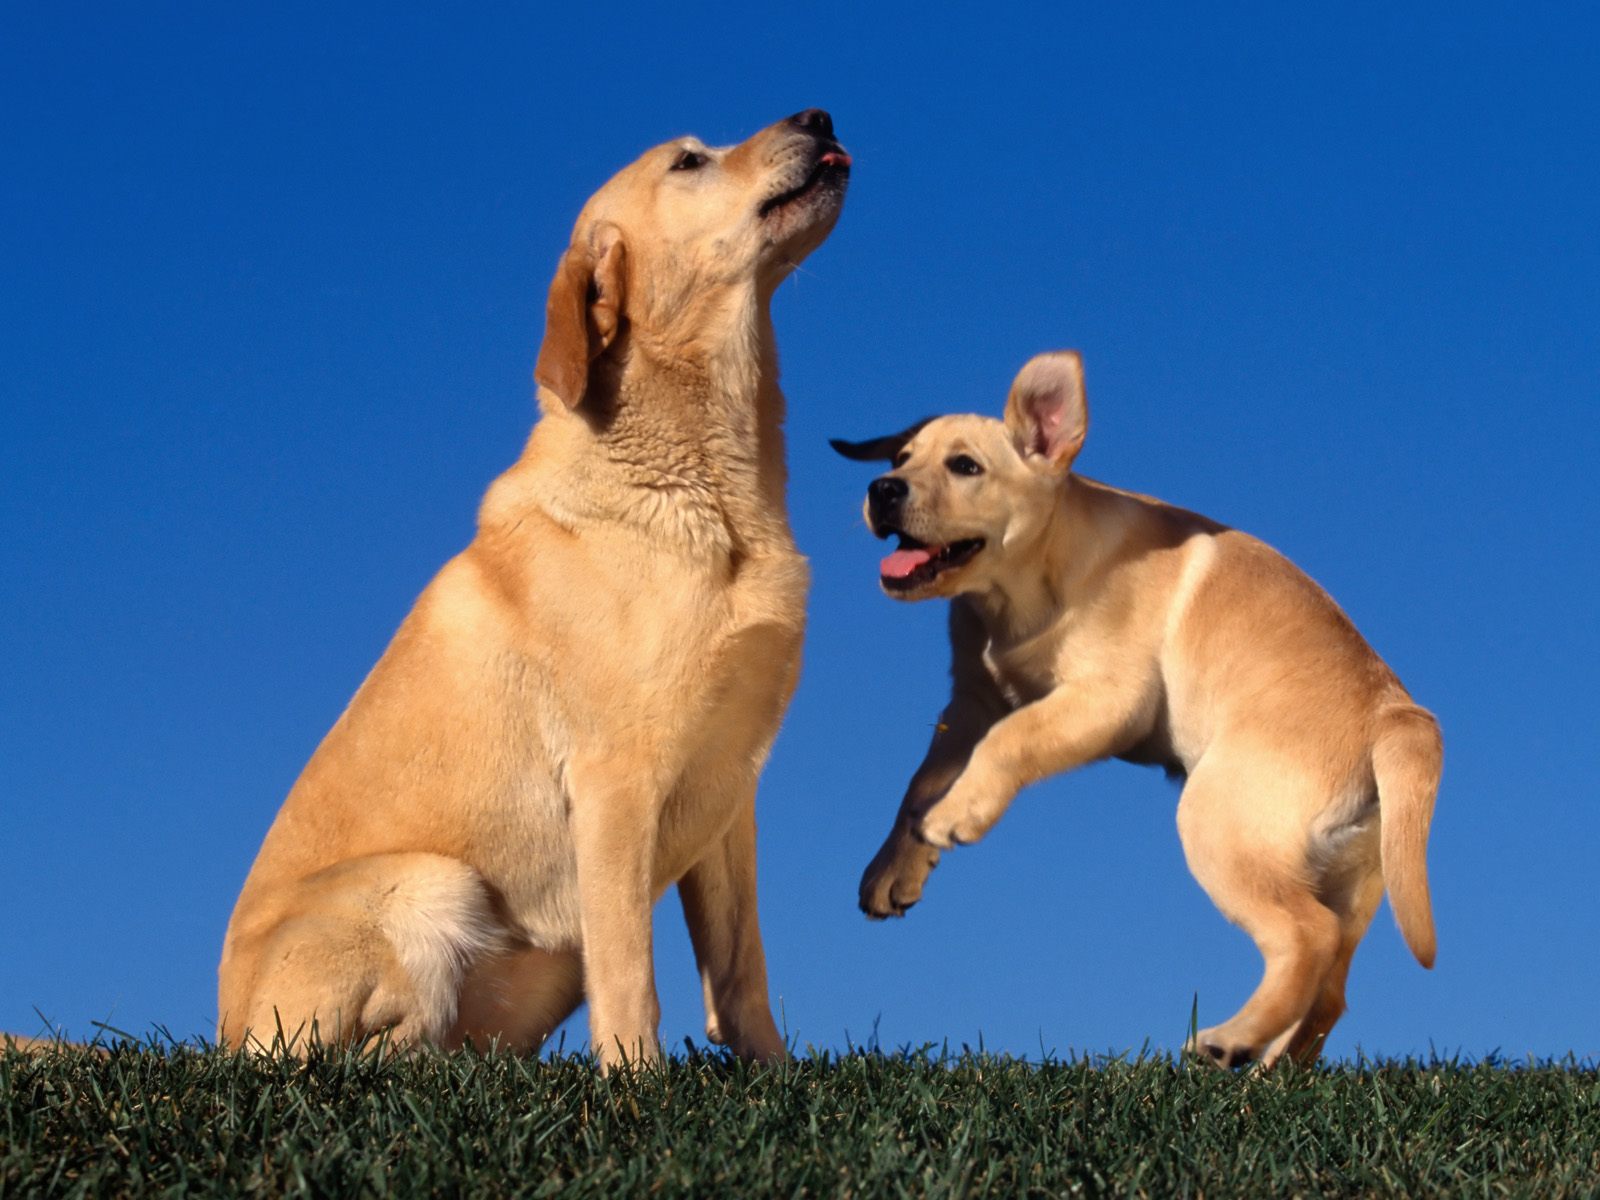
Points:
point(902, 459)
point(689, 160)
point(960, 464)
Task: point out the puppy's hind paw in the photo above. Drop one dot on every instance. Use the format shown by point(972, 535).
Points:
point(1215, 1047)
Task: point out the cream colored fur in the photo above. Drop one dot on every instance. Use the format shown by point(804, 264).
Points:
point(1094, 623)
point(573, 717)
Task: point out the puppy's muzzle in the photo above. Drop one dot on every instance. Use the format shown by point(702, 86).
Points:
point(886, 495)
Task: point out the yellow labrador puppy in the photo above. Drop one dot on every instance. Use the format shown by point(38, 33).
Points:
point(573, 716)
point(1091, 623)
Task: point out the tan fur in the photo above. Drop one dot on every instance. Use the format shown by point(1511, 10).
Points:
point(573, 716)
point(1095, 623)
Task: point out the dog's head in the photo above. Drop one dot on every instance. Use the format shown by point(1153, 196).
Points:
point(966, 493)
point(678, 244)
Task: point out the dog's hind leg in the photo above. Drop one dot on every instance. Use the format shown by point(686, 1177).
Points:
point(1246, 847)
point(515, 999)
point(372, 945)
point(1304, 1041)
point(719, 905)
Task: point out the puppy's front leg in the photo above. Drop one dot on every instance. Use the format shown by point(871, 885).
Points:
point(614, 821)
point(719, 905)
point(894, 879)
point(1076, 724)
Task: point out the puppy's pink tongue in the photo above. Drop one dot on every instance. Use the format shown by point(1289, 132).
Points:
point(902, 562)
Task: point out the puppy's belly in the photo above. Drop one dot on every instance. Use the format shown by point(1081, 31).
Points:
point(1157, 749)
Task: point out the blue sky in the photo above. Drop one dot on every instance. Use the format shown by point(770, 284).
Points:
point(274, 284)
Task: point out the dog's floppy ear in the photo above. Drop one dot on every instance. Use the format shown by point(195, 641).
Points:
point(1047, 412)
point(878, 449)
point(583, 313)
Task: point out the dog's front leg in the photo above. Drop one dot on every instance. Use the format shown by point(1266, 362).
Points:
point(1072, 726)
point(719, 905)
point(614, 821)
point(894, 879)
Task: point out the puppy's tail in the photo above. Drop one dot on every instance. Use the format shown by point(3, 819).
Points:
point(1407, 757)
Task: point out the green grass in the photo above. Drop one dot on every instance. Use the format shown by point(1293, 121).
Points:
point(178, 1119)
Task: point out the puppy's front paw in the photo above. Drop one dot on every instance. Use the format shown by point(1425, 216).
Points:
point(954, 821)
point(894, 879)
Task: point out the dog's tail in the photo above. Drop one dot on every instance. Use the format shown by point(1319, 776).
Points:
point(1407, 757)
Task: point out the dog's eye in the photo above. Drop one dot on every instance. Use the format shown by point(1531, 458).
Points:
point(902, 459)
point(960, 464)
point(688, 161)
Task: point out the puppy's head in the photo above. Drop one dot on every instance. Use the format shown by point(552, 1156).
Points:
point(967, 495)
point(675, 246)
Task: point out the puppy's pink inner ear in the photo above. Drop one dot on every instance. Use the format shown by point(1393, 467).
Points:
point(1046, 412)
point(1046, 416)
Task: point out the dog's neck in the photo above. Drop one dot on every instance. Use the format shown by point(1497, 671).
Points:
point(683, 440)
point(1058, 565)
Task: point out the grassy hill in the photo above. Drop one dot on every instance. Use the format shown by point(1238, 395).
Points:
point(142, 1120)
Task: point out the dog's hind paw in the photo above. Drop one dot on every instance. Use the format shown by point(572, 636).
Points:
point(1215, 1047)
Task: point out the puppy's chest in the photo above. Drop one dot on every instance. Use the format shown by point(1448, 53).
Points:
point(1023, 673)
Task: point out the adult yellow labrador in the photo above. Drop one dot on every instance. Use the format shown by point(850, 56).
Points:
point(1091, 623)
point(574, 715)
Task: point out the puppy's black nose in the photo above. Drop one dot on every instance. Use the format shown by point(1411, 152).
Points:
point(885, 494)
point(814, 121)
point(887, 489)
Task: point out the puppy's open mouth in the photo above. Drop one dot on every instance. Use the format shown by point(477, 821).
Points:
point(831, 168)
point(915, 564)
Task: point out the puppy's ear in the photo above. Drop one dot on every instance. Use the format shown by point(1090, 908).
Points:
point(583, 313)
point(1047, 412)
point(879, 449)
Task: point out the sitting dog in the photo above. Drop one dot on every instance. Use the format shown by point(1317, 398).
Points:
point(573, 716)
point(1090, 623)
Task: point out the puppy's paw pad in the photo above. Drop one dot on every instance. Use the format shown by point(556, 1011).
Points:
point(1216, 1048)
point(893, 895)
point(901, 900)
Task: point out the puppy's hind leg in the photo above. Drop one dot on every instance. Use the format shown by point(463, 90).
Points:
point(1304, 1041)
point(1245, 844)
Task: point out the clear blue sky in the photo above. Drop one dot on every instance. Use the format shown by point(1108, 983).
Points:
point(273, 286)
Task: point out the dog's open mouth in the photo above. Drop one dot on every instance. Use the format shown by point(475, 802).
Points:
point(914, 564)
point(832, 167)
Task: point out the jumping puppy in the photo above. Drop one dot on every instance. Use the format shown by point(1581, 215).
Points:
point(1090, 623)
point(573, 716)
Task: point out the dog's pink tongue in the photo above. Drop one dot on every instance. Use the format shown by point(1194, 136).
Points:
point(902, 562)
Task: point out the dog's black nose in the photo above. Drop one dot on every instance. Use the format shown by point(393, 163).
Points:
point(814, 121)
point(886, 493)
point(886, 489)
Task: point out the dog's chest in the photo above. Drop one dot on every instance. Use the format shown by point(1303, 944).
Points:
point(763, 614)
point(1024, 672)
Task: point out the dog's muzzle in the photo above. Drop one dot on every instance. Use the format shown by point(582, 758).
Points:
point(885, 497)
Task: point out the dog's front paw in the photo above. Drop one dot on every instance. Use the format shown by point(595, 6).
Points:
point(954, 821)
point(894, 879)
